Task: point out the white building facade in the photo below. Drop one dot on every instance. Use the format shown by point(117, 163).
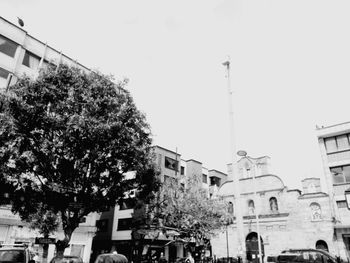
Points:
point(21, 53)
point(334, 143)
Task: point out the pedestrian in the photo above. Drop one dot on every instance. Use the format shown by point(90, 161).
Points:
point(36, 258)
point(189, 258)
point(162, 258)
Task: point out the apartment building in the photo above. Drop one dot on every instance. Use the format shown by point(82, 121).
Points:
point(172, 167)
point(21, 53)
point(334, 144)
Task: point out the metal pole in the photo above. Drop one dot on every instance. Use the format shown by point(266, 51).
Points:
point(235, 177)
point(227, 250)
point(257, 215)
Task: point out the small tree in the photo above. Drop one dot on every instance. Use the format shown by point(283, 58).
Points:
point(188, 208)
point(67, 139)
point(185, 209)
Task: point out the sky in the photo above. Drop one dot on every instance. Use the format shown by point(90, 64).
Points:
point(290, 64)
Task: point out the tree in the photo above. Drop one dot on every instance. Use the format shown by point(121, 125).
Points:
point(67, 139)
point(183, 209)
point(188, 208)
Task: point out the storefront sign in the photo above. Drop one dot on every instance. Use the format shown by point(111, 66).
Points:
point(43, 240)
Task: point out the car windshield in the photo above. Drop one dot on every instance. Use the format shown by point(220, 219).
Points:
point(329, 255)
point(12, 256)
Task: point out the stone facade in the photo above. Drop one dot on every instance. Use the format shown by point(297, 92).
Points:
point(287, 218)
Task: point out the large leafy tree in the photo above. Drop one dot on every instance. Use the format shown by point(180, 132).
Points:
point(67, 139)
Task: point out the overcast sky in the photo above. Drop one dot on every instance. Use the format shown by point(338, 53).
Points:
point(290, 65)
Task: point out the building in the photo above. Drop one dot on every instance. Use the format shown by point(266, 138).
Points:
point(117, 232)
point(334, 143)
point(21, 53)
point(287, 218)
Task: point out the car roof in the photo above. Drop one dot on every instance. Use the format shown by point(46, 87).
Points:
point(13, 248)
point(66, 256)
point(284, 252)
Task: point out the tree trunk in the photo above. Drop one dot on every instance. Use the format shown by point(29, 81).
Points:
point(61, 245)
point(45, 250)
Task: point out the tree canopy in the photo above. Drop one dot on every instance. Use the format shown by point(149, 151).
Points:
point(67, 139)
point(183, 209)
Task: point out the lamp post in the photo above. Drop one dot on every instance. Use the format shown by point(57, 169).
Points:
point(234, 172)
point(256, 208)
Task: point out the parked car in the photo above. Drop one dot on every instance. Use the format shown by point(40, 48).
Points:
point(66, 259)
point(15, 253)
point(227, 260)
point(111, 258)
point(306, 256)
point(271, 259)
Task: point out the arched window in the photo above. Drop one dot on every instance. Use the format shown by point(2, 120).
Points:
point(251, 207)
point(315, 211)
point(320, 244)
point(273, 204)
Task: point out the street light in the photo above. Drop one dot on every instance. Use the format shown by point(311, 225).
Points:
point(347, 197)
point(256, 210)
point(234, 172)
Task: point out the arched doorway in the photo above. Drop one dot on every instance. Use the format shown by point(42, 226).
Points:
point(252, 248)
point(320, 244)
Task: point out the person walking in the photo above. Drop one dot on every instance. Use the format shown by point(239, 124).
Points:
point(162, 258)
point(189, 258)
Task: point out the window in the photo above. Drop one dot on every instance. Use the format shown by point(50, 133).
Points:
point(230, 208)
point(30, 60)
point(342, 204)
point(273, 204)
point(251, 207)
point(77, 250)
point(215, 181)
point(7, 46)
point(12, 255)
point(343, 142)
point(171, 163)
point(320, 244)
point(182, 170)
point(127, 203)
point(124, 224)
point(102, 225)
point(204, 178)
point(340, 174)
point(315, 211)
point(337, 143)
point(4, 73)
point(331, 145)
point(3, 78)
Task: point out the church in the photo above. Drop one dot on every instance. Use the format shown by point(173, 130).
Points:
point(283, 218)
